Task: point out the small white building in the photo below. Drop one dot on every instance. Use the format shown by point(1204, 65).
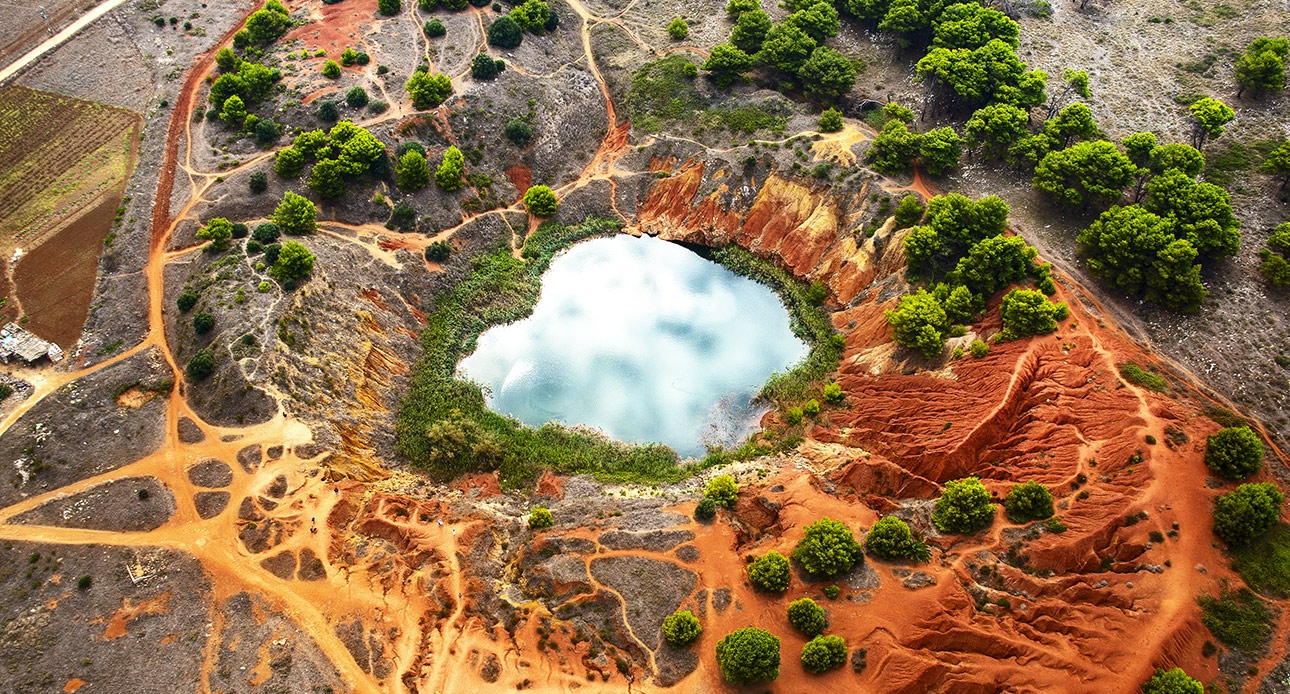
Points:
point(16, 341)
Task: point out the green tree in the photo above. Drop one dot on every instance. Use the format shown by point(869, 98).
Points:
point(218, 231)
point(827, 74)
point(909, 211)
point(331, 70)
point(289, 163)
point(532, 15)
point(224, 87)
point(705, 510)
point(483, 67)
point(905, 19)
point(519, 132)
point(723, 490)
point(1275, 268)
point(326, 179)
point(295, 215)
point(963, 507)
point(428, 91)
point(348, 57)
point(1173, 681)
point(678, 29)
point(786, 48)
point(1262, 68)
point(412, 173)
point(830, 120)
point(203, 322)
point(448, 175)
point(1028, 312)
point(748, 655)
point(226, 60)
point(806, 616)
point(1177, 156)
point(1086, 173)
point(201, 365)
point(681, 628)
point(458, 445)
point(1140, 148)
point(265, 233)
point(770, 573)
point(819, 20)
point(327, 111)
point(267, 131)
point(540, 517)
point(995, 263)
point(293, 264)
point(824, 653)
point(1277, 163)
point(1234, 452)
point(990, 74)
point(258, 182)
point(995, 128)
point(827, 548)
point(187, 299)
point(1138, 253)
point(356, 97)
point(435, 28)
point(504, 32)
point(1245, 514)
point(737, 8)
point(540, 201)
point(726, 63)
point(1209, 119)
point(894, 149)
point(919, 322)
point(890, 539)
point(266, 26)
point(1028, 501)
point(750, 31)
point(389, 8)
point(1201, 213)
point(940, 149)
point(971, 26)
point(234, 112)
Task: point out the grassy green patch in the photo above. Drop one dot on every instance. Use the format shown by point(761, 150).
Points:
point(809, 321)
point(1139, 376)
point(1264, 564)
point(1225, 417)
point(660, 92)
point(1238, 619)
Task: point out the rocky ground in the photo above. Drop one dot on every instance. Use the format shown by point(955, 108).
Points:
point(258, 530)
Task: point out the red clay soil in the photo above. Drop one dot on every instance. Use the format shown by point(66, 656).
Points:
point(1051, 409)
point(339, 27)
point(521, 177)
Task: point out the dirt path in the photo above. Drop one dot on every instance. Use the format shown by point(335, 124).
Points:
point(58, 39)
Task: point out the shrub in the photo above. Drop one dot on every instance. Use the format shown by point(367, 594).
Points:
point(811, 407)
point(532, 15)
point(1028, 501)
point(963, 507)
point(824, 653)
point(403, 217)
point(258, 182)
point(806, 616)
point(833, 394)
point(448, 175)
point(428, 91)
point(706, 509)
point(769, 573)
point(504, 32)
point(434, 29)
point(438, 251)
point(540, 201)
point(890, 538)
point(678, 29)
point(218, 231)
point(1028, 312)
point(832, 592)
point(909, 211)
point(289, 163)
point(266, 233)
point(919, 322)
point(389, 7)
point(681, 628)
point(295, 215)
point(830, 120)
point(1237, 618)
point(331, 70)
point(827, 548)
point(378, 106)
point(84, 582)
point(412, 172)
point(201, 365)
point(979, 348)
point(748, 655)
point(203, 322)
point(1264, 563)
point(1173, 681)
point(1234, 452)
point(518, 132)
point(327, 111)
point(541, 518)
point(187, 299)
point(356, 97)
point(263, 287)
point(1139, 376)
point(1247, 513)
point(294, 263)
point(793, 415)
point(483, 67)
point(722, 490)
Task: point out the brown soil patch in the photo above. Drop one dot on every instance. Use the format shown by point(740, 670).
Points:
point(56, 280)
point(521, 177)
point(336, 27)
point(135, 397)
point(116, 627)
point(73, 685)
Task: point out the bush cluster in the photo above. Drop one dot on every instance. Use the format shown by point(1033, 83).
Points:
point(769, 573)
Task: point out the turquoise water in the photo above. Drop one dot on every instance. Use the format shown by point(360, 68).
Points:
point(643, 340)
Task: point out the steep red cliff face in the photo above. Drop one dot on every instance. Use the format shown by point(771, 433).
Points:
point(1092, 608)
